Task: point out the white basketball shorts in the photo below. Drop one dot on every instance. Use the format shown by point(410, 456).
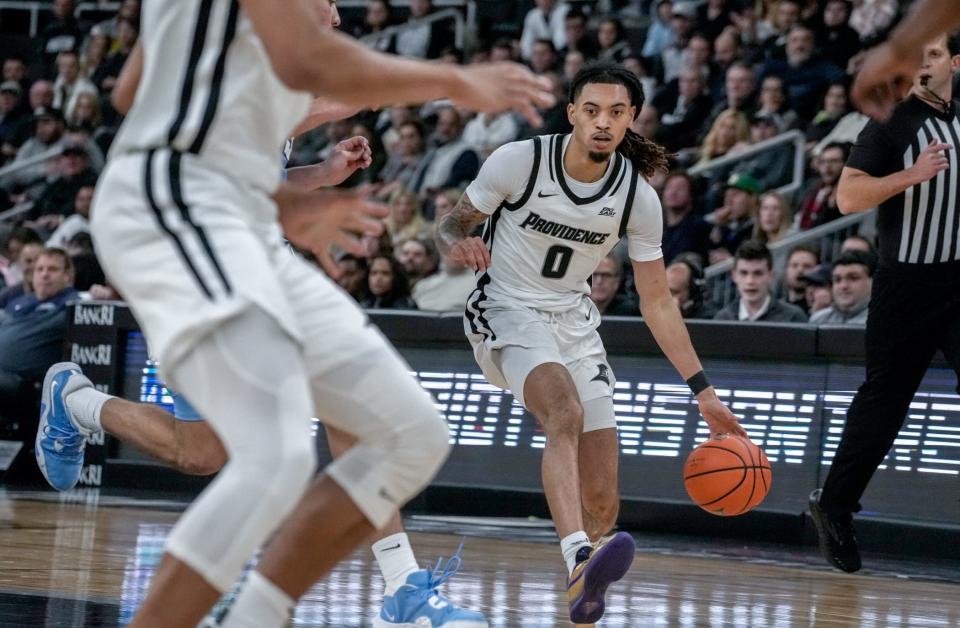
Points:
point(189, 247)
point(509, 340)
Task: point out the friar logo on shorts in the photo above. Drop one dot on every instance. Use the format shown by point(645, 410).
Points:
point(98, 315)
point(602, 376)
point(97, 355)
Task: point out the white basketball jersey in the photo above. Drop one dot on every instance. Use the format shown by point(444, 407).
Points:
point(547, 233)
point(208, 89)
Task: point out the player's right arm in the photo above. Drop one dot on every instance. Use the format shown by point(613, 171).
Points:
point(454, 239)
point(503, 176)
point(859, 191)
point(308, 57)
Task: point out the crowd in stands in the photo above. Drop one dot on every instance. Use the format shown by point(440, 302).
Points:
point(720, 76)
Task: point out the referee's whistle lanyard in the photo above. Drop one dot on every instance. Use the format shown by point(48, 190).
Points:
point(931, 95)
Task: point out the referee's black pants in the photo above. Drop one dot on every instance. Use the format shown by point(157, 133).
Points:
point(912, 314)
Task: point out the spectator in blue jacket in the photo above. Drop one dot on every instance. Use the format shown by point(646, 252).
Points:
point(32, 326)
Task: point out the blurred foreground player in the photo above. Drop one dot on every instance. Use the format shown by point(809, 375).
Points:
point(909, 168)
point(255, 338)
point(554, 207)
point(187, 442)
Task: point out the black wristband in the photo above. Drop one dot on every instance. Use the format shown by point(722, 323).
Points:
point(698, 383)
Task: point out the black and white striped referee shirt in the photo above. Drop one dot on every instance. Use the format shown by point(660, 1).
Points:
point(921, 226)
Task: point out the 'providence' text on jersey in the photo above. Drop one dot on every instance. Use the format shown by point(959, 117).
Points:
point(547, 232)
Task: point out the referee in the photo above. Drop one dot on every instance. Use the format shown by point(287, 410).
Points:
point(908, 167)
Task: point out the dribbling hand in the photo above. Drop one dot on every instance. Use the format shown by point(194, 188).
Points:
point(932, 161)
point(472, 252)
point(718, 416)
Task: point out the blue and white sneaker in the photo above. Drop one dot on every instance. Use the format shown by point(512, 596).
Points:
point(419, 603)
point(60, 439)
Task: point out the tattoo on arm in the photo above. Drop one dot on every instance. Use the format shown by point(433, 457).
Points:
point(458, 224)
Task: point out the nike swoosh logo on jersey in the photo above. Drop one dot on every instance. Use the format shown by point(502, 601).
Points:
point(387, 549)
point(540, 194)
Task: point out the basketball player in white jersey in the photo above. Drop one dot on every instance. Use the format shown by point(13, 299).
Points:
point(886, 74)
point(187, 442)
point(187, 219)
point(554, 206)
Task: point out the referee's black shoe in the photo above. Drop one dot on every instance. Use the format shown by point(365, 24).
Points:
point(838, 541)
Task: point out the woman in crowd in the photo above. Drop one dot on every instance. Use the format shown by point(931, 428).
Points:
point(836, 104)
point(86, 112)
point(610, 36)
point(774, 219)
point(379, 17)
point(387, 285)
point(405, 220)
point(94, 52)
point(729, 129)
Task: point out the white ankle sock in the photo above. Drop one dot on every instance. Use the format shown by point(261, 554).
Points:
point(396, 560)
point(570, 545)
point(261, 604)
point(85, 405)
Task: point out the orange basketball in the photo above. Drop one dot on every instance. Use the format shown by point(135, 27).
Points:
point(727, 476)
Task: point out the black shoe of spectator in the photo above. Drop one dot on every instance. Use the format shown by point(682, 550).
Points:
point(838, 541)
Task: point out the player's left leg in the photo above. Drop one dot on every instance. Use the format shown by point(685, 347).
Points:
point(586, 359)
point(183, 441)
point(361, 386)
point(599, 482)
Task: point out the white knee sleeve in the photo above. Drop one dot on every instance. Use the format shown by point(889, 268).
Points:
point(402, 439)
point(248, 379)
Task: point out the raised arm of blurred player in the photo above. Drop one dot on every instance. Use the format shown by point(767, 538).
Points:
point(663, 318)
point(309, 57)
point(347, 157)
point(887, 71)
point(126, 87)
point(323, 110)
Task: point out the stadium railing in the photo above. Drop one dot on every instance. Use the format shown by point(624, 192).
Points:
point(790, 137)
point(826, 239)
point(439, 16)
point(719, 288)
point(10, 169)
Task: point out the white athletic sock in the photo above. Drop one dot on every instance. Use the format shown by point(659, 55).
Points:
point(396, 560)
point(570, 545)
point(261, 604)
point(85, 405)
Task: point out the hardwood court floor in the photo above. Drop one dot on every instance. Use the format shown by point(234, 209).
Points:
point(89, 564)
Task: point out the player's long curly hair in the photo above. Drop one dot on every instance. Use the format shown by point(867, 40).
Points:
point(647, 156)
